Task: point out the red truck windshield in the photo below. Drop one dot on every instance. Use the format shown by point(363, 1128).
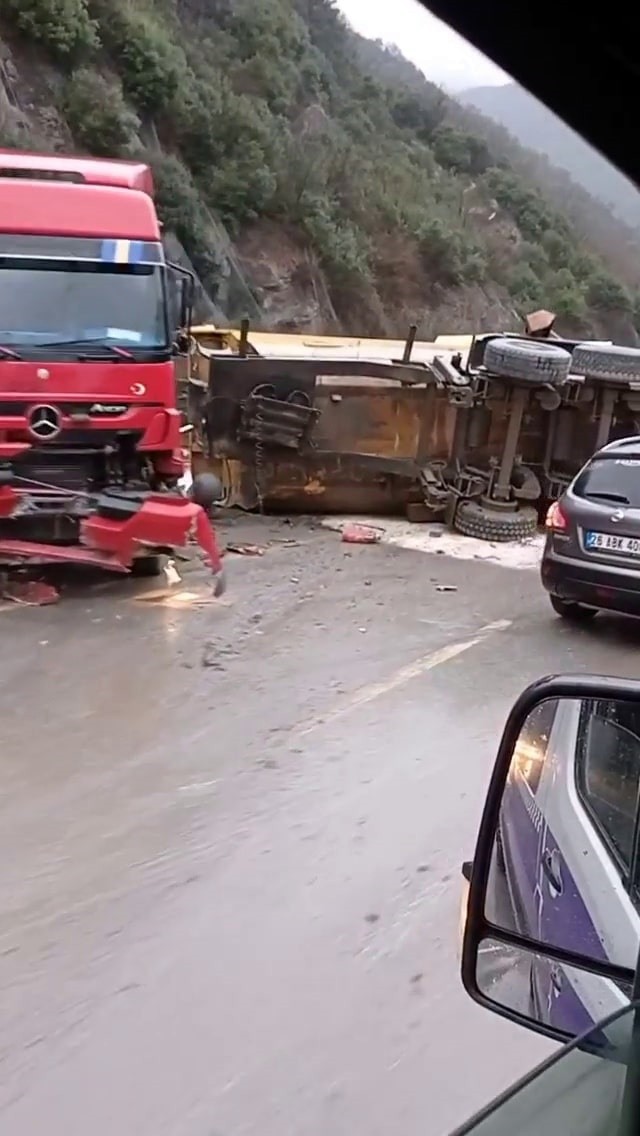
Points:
point(46, 301)
point(62, 288)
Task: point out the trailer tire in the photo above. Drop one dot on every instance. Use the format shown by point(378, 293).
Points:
point(528, 362)
point(147, 567)
point(606, 361)
point(472, 518)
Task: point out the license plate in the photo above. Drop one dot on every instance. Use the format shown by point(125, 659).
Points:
point(607, 542)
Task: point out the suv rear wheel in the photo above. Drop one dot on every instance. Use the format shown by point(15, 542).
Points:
point(574, 612)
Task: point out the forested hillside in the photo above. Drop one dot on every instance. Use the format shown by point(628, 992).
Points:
point(529, 120)
point(319, 172)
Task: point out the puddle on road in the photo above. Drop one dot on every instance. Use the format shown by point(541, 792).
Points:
point(184, 598)
point(173, 596)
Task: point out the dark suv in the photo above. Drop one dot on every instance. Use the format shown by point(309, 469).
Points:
point(591, 557)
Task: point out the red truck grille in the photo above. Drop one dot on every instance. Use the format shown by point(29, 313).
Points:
point(70, 469)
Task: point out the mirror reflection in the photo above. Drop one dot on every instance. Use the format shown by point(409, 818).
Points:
point(546, 992)
point(564, 865)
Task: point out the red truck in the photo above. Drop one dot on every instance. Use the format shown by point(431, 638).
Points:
point(91, 454)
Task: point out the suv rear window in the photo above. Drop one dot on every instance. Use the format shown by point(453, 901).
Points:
point(610, 479)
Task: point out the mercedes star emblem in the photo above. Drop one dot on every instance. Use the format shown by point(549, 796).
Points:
point(44, 423)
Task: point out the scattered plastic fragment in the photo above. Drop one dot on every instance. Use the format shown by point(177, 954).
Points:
point(172, 574)
point(32, 593)
point(245, 549)
point(361, 534)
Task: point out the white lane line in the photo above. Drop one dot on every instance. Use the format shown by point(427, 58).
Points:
point(497, 625)
point(369, 693)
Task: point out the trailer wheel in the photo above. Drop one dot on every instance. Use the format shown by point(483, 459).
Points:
point(606, 361)
point(475, 519)
point(147, 567)
point(526, 361)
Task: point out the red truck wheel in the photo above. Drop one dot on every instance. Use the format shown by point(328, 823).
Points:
point(147, 567)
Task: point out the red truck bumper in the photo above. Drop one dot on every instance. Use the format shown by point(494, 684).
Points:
point(113, 541)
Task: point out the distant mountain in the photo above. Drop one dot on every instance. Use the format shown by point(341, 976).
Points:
point(537, 128)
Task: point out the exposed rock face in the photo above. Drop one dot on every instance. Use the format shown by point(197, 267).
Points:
point(286, 282)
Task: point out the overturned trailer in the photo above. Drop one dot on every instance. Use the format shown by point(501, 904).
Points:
point(482, 438)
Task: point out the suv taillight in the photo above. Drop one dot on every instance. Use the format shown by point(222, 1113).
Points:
point(555, 519)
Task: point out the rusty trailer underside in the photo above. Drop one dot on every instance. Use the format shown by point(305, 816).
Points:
point(335, 431)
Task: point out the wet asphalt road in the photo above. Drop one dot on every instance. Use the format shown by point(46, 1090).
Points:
point(231, 837)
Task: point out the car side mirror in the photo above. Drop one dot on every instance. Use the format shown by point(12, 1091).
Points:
point(181, 343)
point(181, 290)
point(187, 293)
point(552, 921)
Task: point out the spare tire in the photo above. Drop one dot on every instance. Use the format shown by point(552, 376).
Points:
point(606, 361)
point(473, 518)
point(529, 362)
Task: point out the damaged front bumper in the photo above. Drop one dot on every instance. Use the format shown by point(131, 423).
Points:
point(118, 527)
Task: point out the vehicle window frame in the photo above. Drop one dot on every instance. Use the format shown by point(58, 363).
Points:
point(555, 704)
point(520, 1105)
point(628, 874)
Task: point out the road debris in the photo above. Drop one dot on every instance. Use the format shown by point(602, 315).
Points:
point(245, 549)
point(446, 588)
point(519, 555)
point(32, 593)
point(362, 534)
point(172, 574)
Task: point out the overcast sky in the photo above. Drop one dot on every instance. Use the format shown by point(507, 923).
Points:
point(444, 57)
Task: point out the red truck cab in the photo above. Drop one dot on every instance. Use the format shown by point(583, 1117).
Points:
point(90, 444)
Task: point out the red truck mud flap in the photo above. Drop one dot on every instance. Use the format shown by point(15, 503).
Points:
point(123, 527)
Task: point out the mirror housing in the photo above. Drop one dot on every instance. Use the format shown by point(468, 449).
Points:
point(187, 295)
point(181, 298)
point(509, 958)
